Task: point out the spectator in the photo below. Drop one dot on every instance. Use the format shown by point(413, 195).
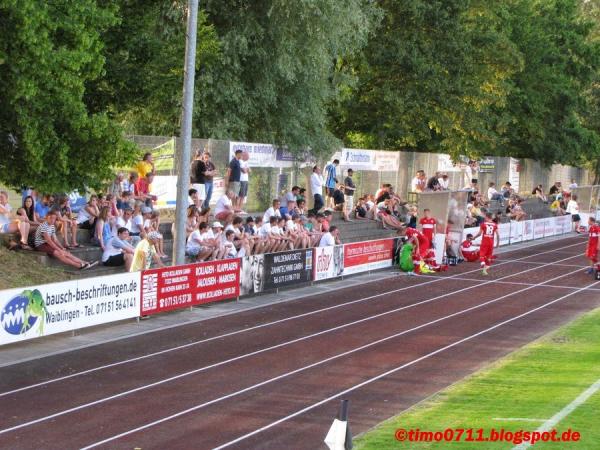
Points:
point(197, 178)
point(250, 226)
point(316, 186)
point(126, 221)
point(234, 174)
point(507, 190)
point(29, 207)
point(289, 202)
point(86, 218)
point(145, 166)
point(387, 217)
point(573, 184)
point(273, 211)
point(137, 222)
point(555, 189)
point(67, 223)
point(142, 190)
point(360, 212)
point(196, 245)
point(330, 238)
point(573, 209)
point(103, 228)
point(42, 208)
point(145, 253)
point(301, 195)
point(419, 182)
point(349, 190)
point(194, 199)
point(331, 181)
point(244, 179)
point(338, 200)
point(116, 187)
point(515, 210)
point(493, 194)
point(129, 183)
point(209, 175)
point(413, 215)
point(444, 182)
point(10, 224)
point(126, 201)
point(46, 241)
point(224, 208)
point(118, 251)
point(433, 184)
point(557, 207)
point(539, 193)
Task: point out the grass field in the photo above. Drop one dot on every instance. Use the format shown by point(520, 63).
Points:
point(534, 382)
point(19, 270)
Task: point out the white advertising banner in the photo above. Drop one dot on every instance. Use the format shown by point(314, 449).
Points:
point(516, 232)
point(358, 159)
point(563, 224)
point(32, 312)
point(513, 173)
point(387, 161)
point(528, 230)
point(329, 262)
point(504, 232)
point(538, 228)
point(165, 189)
point(445, 164)
point(549, 226)
point(261, 155)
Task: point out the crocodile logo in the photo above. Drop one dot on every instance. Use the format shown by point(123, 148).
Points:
point(24, 312)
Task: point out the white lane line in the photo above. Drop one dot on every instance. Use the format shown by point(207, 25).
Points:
point(518, 419)
point(556, 418)
point(517, 283)
point(280, 345)
point(392, 371)
point(253, 328)
point(301, 369)
point(542, 263)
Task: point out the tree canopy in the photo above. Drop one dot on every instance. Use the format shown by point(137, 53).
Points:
point(474, 77)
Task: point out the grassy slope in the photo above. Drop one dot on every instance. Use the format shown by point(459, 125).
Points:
point(534, 382)
point(18, 270)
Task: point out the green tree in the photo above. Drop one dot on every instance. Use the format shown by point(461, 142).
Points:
point(48, 137)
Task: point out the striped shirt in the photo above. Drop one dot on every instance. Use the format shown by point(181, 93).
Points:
point(45, 227)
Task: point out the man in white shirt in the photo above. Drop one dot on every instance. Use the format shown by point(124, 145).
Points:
point(196, 245)
point(573, 184)
point(125, 221)
point(419, 182)
point(330, 238)
point(244, 180)
point(316, 186)
point(444, 181)
point(273, 211)
point(224, 207)
point(493, 194)
point(573, 209)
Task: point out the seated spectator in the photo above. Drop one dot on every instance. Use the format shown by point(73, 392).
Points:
point(339, 199)
point(419, 182)
point(152, 223)
point(330, 238)
point(289, 203)
point(86, 218)
point(116, 187)
point(194, 199)
point(129, 183)
point(103, 228)
point(273, 211)
point(196, 245)
point(230, 249)
point(250, 226)
point(42, 207)
point(126, 221)
point(46, 241)
point(360, 211)
point(142, 190)
point(10, 224)
point(433, 184)
point(301, 195)
point(384, 213)
point(515, 211)
point(224, 207)
point(29, 208)
point(118, 251)
point(493, 194)
point(137, 222)
point(573, 185)
point(145, 253)
point(66, 222)
point(539, 193)
point(444, 182)
point(507, 191)
point(555, 189)
point(125, 201)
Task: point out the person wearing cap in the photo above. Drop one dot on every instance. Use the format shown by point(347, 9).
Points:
point(145, 253)
point(197, 177)
point(219, 237)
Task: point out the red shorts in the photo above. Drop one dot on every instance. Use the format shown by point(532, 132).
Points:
point(47, 249)
point(592, 252)
point(486, 250)
point(471, 256)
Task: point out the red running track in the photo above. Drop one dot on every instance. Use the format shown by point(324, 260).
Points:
point(273, 377)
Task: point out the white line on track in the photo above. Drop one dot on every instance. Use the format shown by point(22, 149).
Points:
point(520, 283)
point(301, 369)
point(556, 418)
point(392, 371)
point(267, 324)
point(541, 263)
point(283, 344)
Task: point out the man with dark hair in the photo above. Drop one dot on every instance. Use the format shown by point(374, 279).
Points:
point(208, 179)
point(331, 181)
point(593, 243)
point(349, 189)
point(316, 186)
point(234, 178)
point(489, 233)
point(330, 237)
point(117, 251)
point(197, 179)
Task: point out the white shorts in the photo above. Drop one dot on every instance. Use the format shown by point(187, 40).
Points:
point(200, 189)
point(348, 202)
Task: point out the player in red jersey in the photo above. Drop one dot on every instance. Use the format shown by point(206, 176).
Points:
point(422, 250)
point(488, 232)
point(593, 243)
point(428, 224)
point(469, 251)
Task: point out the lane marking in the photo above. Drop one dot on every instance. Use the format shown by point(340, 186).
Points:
point(267, 324)
point(541, 263)
point(518, 419)
point(390, 372)
point(287, 374)
point(518, 283)
point(556, 418)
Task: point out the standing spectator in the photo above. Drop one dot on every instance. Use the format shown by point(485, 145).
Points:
point(145, 166)
point(46, 241)
point(331, 181)
point(116, 187)
point(208, 179)
point(197, 177)
point(470, 173)
point(8, 224)
point(145, 253)
point(444, 181)
point(573, 209)
point(118, 251)
point(349, 190)
point(316, 186)
point(573, 184)
point(234, 177)
point(419, 182)
point(244, 178)
point(224, 208)
point(142, 190)
point(331, 237)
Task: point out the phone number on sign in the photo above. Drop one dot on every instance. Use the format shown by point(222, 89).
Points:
point(110, 306)
point(481, 435)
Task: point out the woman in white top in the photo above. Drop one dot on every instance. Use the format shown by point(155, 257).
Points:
point(573, 209)
point(137, 222)
point(86, 217)
point(10, 224)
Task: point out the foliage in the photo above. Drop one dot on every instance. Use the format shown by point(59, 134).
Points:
point(48, 137)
